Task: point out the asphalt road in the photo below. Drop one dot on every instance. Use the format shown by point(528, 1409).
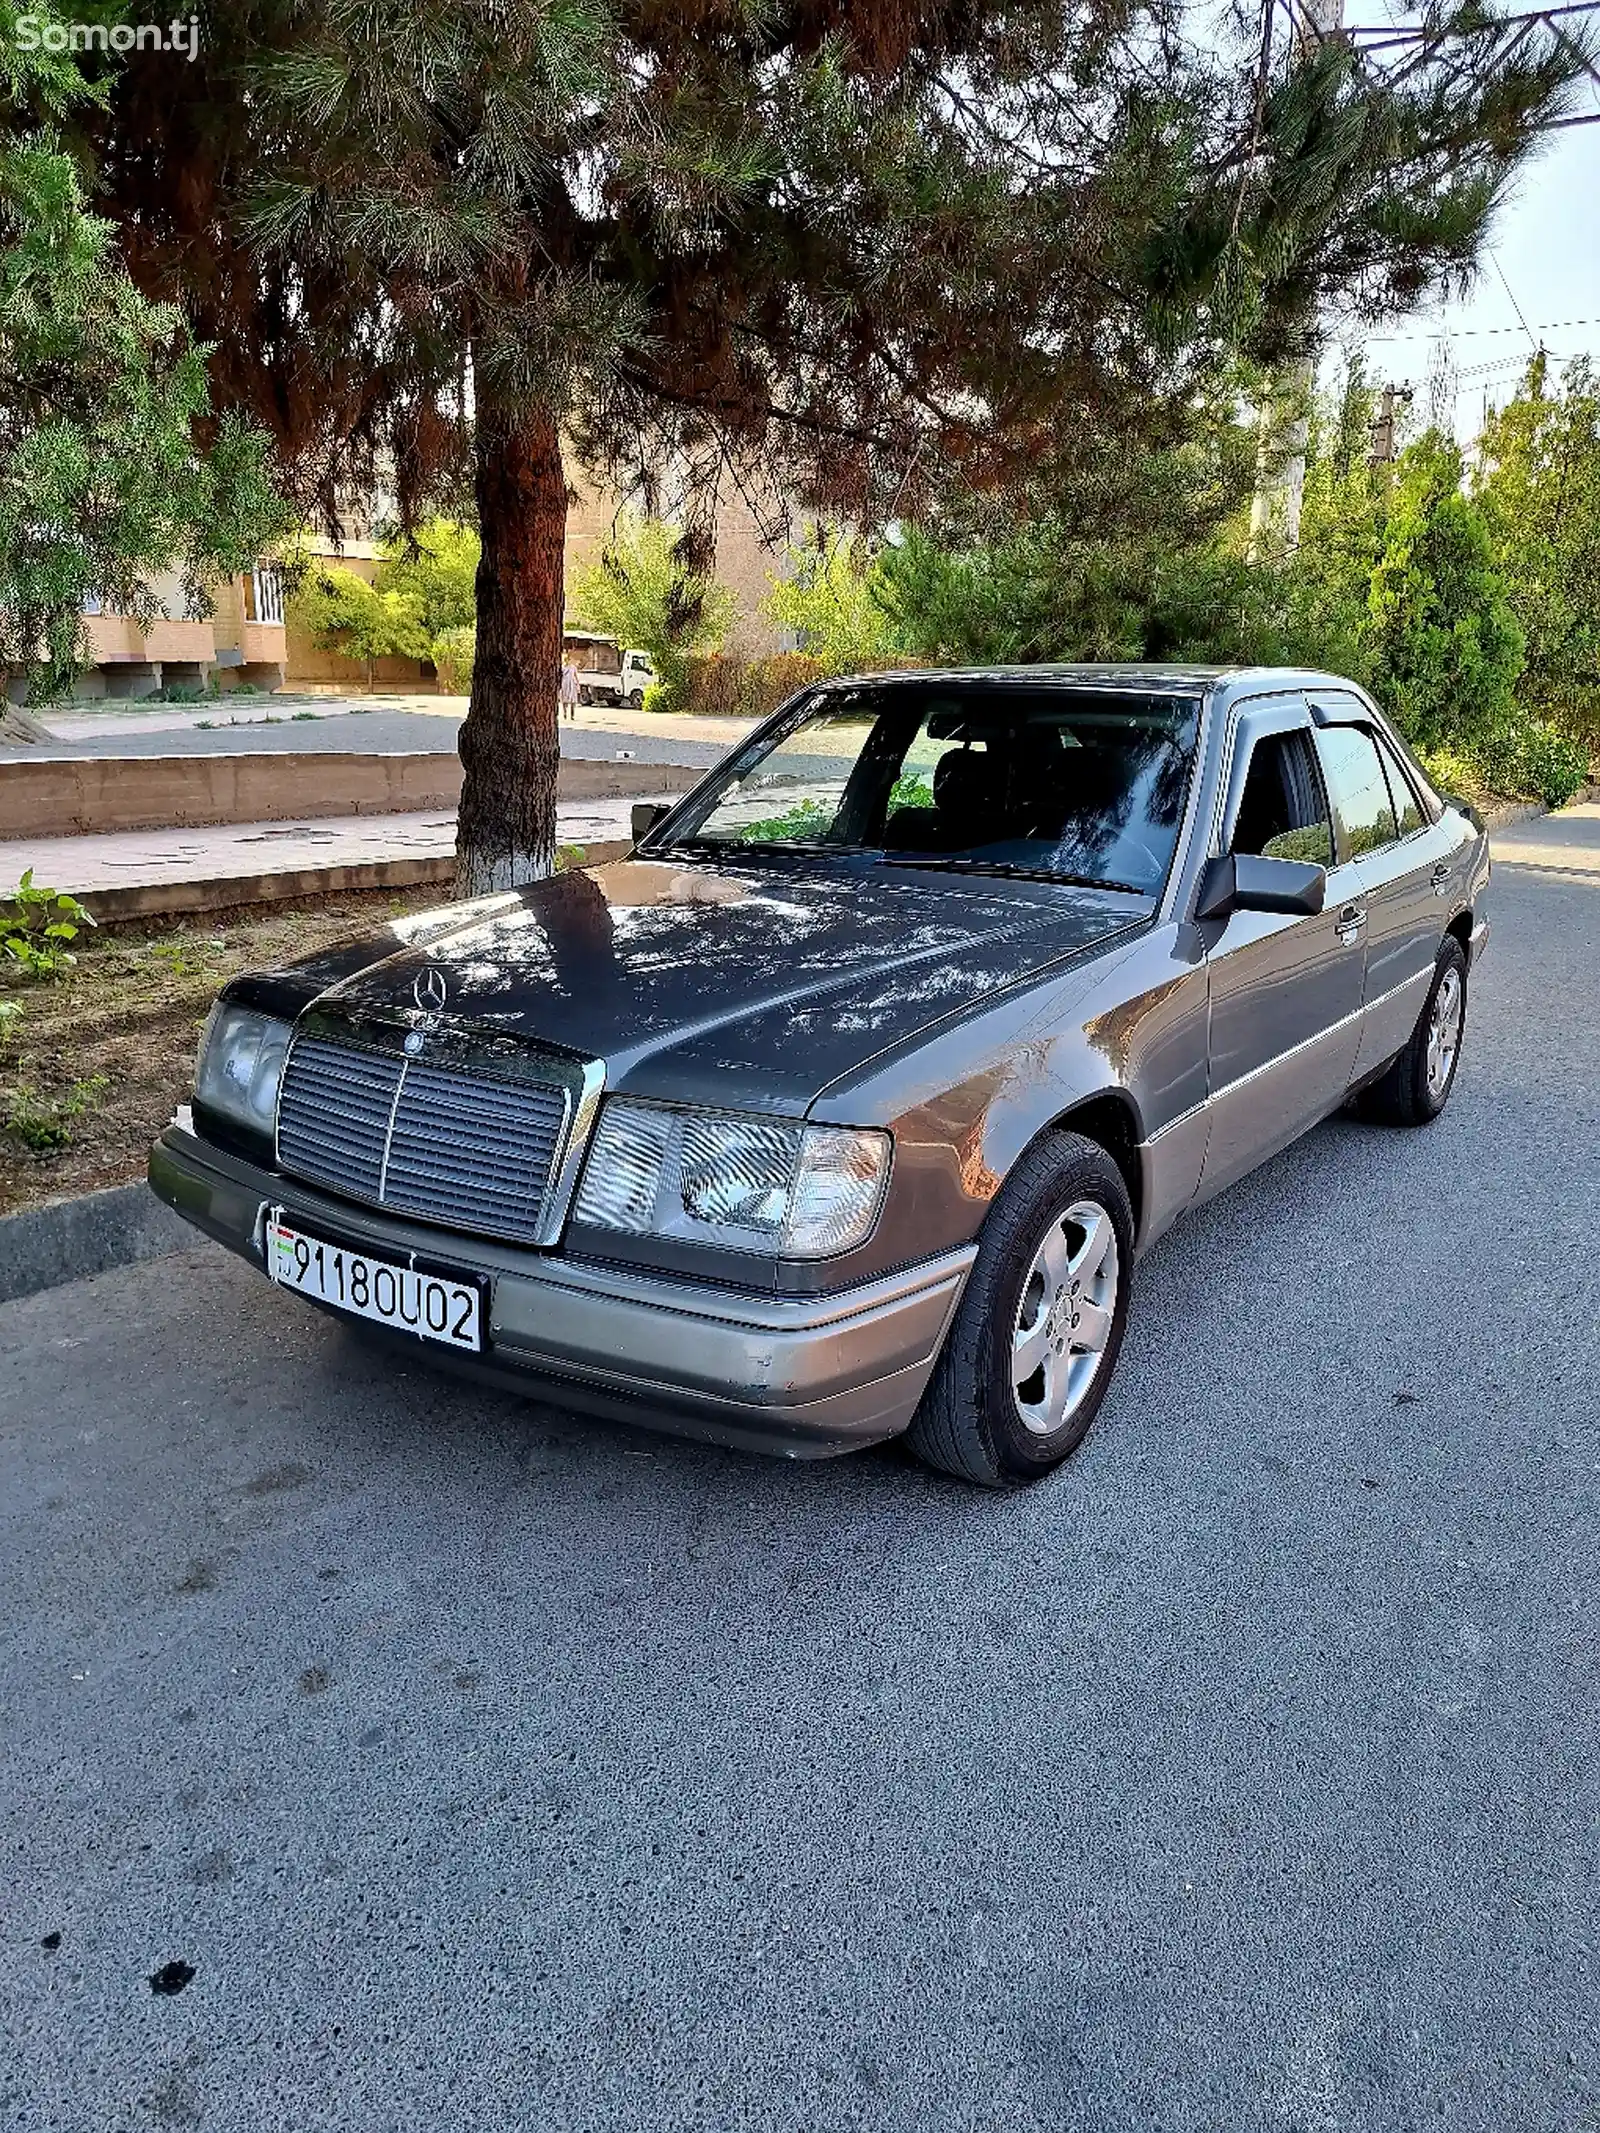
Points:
point(356, 733)
point(494, 1769)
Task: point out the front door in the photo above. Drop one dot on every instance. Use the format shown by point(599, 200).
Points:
point(1285, 992)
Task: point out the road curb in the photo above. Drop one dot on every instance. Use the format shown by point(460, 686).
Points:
point(65, 1240)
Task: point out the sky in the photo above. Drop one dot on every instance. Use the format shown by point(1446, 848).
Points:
point(1544, 257)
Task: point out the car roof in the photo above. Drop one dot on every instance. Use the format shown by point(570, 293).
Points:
point(1141, 675)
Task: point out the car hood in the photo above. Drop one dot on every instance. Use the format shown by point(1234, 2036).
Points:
point(753, 984)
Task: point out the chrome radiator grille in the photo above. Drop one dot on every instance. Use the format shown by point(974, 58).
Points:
point(472, 1151)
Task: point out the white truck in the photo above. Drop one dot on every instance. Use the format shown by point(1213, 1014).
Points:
point(606, 674)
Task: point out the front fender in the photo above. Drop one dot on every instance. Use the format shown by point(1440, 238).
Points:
point(1130, 1026)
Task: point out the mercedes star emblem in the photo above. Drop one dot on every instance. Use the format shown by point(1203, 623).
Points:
point(430, 991)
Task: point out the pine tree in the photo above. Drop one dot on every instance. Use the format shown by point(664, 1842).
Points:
point(882, 251)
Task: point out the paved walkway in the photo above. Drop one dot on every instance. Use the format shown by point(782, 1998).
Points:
point(348, 851)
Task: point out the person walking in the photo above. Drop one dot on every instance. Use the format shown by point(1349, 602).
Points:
point(569, 688)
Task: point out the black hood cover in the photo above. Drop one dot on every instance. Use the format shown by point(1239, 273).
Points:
point(753, 984)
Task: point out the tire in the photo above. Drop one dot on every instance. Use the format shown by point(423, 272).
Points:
point(1415, 1088)
point(975, 1420)
point(634, 700)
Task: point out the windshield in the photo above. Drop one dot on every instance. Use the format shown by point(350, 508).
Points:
point(1000, 777)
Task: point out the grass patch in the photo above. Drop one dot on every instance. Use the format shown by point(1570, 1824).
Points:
point(94, 1062)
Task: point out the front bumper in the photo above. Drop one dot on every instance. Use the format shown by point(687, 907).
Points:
point(804, 1376)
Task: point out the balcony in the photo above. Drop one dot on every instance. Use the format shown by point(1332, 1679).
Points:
point(181, 643)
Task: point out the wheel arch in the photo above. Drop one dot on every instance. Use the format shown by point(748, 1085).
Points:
point(1109, 1119)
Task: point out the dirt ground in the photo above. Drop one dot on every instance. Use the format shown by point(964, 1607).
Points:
point(99, 1058)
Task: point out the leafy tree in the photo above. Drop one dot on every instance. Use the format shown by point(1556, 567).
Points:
point(1537, 482)
point(644, 594)
point(1447, 649)
point(342, 613)
point(112, 468)
point(886, 250)
point(825, 595)
point(1139, 557)
point(436, 571)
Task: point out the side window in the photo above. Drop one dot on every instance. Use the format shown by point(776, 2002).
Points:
point(1282, 811)
point(1407, 813)
point(1359, 788)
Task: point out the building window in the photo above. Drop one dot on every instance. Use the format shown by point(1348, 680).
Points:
point(263, 595)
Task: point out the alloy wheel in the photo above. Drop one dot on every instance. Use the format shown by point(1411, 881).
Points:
point(1444, 1032)
point(1064, 1317)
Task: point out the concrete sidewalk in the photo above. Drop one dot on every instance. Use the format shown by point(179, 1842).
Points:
point(138, 874)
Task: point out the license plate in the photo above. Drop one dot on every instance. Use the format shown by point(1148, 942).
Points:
point(432, 1306)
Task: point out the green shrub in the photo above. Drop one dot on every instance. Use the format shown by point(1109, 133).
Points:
point(36, 926)
point(438, 580)
point(723, 686)
point(453, 651)
point(1547, 762)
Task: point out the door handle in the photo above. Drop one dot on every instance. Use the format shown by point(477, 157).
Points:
point(1349, 923)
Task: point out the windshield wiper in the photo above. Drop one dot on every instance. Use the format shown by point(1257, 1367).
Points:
point(957, 865)
point(746, 847)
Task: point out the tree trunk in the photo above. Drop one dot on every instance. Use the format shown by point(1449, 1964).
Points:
point(506, 829)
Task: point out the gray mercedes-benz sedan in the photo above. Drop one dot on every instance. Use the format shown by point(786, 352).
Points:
point(845, 1105)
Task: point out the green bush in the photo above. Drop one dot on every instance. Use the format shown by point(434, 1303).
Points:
point(1547, 762)
point(453, 651)
point(824, 595)
point(722, 686)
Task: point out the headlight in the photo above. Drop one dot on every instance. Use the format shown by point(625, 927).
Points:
point(240, 1063)
point(748, 1184)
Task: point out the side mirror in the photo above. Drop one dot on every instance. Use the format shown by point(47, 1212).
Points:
point(646, 814)
point(1244, 881)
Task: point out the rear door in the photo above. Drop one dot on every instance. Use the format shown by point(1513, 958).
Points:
point(1401, 860)
point(1285, 991)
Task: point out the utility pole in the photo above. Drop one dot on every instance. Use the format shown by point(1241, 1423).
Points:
point(1284, 419)
point(1381, 453)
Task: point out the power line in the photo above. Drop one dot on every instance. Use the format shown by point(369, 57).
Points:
point(1467, 333)
point(1494, 261)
